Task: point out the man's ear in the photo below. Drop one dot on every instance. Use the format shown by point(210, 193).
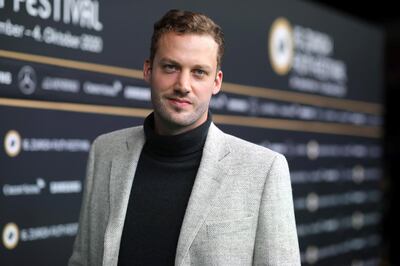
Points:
point(147, 70)
point(217, 82)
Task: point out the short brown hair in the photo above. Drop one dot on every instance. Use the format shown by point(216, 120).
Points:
point(181, 22)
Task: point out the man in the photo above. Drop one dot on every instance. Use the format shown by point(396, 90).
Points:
point(177, 190)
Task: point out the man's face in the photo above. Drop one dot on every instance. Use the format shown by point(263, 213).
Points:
point(183, 76)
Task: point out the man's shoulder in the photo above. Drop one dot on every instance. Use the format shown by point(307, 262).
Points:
point(117, 137)
point(246, 148)
point(248, 156)
point(120, 133)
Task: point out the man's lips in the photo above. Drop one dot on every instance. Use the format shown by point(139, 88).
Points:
point(179, 101)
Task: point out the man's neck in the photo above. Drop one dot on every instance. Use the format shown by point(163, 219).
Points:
point(164, 128)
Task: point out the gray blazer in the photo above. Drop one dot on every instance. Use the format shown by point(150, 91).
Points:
point(240, 211)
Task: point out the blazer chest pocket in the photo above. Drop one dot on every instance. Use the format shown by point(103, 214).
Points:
point(230, 227)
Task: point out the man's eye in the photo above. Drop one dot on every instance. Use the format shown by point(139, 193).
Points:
point(169, 68)
point(199, 72)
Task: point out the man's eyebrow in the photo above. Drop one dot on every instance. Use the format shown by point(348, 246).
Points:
point(169, 61)
point(203, 67)
point(173, 62)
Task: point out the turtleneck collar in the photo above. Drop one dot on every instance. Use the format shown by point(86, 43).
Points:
point(180, 145)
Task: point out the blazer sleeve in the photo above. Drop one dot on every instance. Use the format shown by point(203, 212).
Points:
point(276, 240)
point(80, 250)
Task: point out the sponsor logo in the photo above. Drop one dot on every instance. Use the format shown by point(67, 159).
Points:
point(314, 202)
point(55, 145)
point(65, 187)
point(55, 187)
point(357, 221)
point(108, 90)
point(314, 254)
point(46, 232)
point(61, 84)
point(137, 93)
point(12, 143)
point(24, 189)
point(281, 46)
point(10, 235)
point(27, 80)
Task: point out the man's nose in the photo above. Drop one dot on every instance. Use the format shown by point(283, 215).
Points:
point(183, 82)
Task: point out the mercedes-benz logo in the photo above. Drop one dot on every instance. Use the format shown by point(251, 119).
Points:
point(27, 80)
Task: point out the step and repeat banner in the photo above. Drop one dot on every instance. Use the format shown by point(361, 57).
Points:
point(299, 79)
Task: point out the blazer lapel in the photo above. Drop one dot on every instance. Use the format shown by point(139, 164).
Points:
point(123, 169)
point(205, 189)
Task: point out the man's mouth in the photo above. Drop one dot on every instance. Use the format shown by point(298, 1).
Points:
point(179, 101)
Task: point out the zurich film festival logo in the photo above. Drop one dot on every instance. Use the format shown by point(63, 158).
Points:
point(12, 143)
point(281, 46)
point(10, 236)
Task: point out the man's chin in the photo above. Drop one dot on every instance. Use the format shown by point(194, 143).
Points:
point(179, 122)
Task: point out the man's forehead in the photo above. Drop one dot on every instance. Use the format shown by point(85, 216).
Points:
point(197, 48)
point(185, 38)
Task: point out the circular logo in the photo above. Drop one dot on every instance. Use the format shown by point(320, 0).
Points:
point(10, 235)
point(281, 46)
point(12, 143)
point(27, 80)
point(312, 254)
point(312, 202)
point(358, 174)
point(312, 150)
point(357, 220)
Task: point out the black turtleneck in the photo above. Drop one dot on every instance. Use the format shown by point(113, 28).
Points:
point(160, 192)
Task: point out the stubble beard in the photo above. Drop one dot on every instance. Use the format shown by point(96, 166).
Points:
point(176, 118)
